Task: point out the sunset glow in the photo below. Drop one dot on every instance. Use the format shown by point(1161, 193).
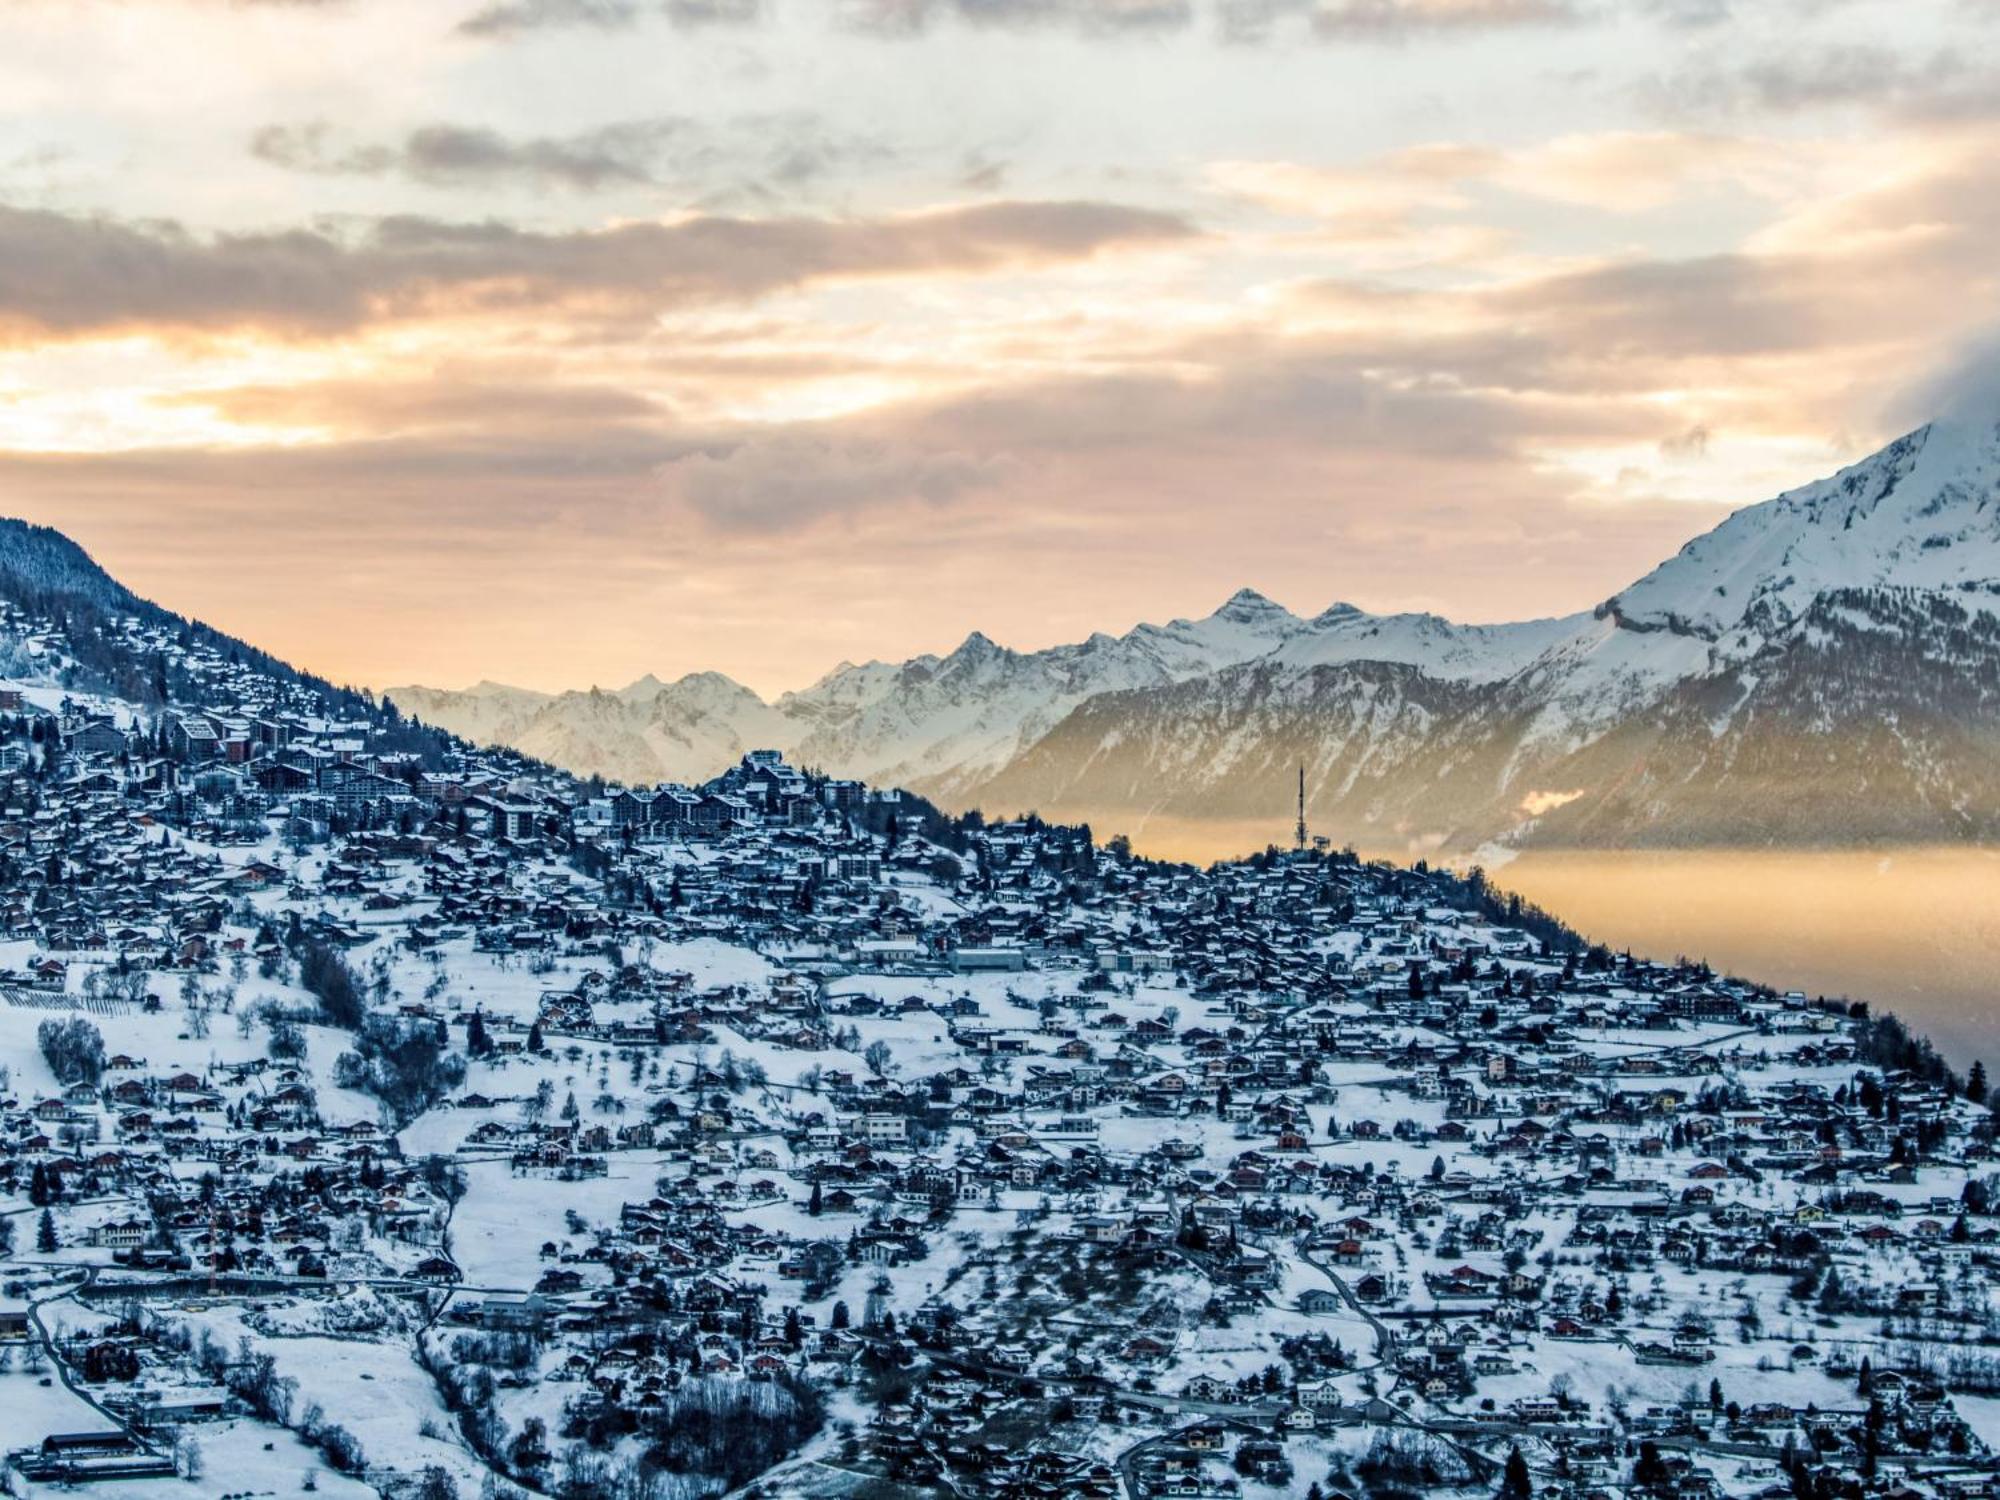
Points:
point(391, 334)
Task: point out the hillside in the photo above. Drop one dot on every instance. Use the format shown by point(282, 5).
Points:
point(76, 627)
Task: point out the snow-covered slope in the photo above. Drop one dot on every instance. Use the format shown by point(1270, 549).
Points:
point(1923, 513)
point(1454, 653)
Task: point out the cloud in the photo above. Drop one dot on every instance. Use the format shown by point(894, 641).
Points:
point(1395, 18)
point(789, 479)
point(1690, 444)
point(1367, 199)
point(459, 155)
point(1689, 13)
point(449, 398)
point(303, 5)
point(1621, 171)
point(505, 18)
point(749, 157)
point(1842, 294)
point(1232, 20)
point(1811, 76)
point(1719, 305)
point(67, 275)
point(1093, 17)
point(887, 18)
point(1964, 389)
point(1892, 262)
point(1387, 20)
point(1632, 171)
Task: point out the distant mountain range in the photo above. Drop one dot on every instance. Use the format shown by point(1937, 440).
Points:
point(939, 724)
point(1822, 669)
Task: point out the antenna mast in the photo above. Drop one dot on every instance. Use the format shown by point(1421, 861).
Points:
point(1299, 832)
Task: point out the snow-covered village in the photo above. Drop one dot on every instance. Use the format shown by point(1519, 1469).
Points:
point(1000, 749)
point(382, 1115)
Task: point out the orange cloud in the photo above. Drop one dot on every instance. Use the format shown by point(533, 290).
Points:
point(61, 274)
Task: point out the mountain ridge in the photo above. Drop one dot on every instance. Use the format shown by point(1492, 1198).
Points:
point(1695, 705)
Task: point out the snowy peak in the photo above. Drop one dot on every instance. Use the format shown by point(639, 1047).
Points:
point(1248, 607)
point(1430, 643)
point(1246, 626)
point(486, 687)
point(1924, 513)
point(975, 650)
point(711, 692)
point(644, 690)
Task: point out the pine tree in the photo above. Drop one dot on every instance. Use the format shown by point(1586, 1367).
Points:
point(46, 1240)
point(1975, 1082)
point(1651, 1469)
point(1515, 1483)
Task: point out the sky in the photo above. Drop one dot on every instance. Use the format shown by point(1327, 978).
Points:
point(561, 341)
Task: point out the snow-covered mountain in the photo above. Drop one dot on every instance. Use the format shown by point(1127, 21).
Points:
point(650, 731)
point(1923, 513)
point(1821, 668)
point(939, 723)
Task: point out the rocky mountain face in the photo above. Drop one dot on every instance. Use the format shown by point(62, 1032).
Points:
point(1820, 669)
